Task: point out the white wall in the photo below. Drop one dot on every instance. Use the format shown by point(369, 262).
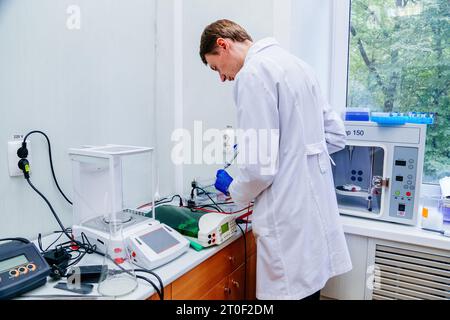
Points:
point(319, 35)
point(186, 89)
point(302, 26)
point(89, 86)
point(311, 36)
point(130, 75)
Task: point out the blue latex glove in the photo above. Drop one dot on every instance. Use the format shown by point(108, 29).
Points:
point(223, 181)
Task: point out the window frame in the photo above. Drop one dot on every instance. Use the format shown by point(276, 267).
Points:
point(339, 70)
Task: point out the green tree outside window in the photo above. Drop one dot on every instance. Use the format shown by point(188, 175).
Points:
point(399, 60)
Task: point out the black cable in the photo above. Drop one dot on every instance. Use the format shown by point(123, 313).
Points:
point(16, 239)
point(161, 297)
point(168, 201)
point(51, 160)
point(51, 208)
point(207, 194)
point(218, 203)
point(165, 200)
point(156, 276)
point(208, 206)
point(85, 245)
point(50, 245)
point(162, 199)
point(245, 261)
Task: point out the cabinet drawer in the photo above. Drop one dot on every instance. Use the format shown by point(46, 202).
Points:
point(237, 284)
point(220, 291)
point(236, 254)
point(200, 280)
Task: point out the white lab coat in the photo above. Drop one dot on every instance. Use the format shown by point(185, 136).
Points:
point(300, 240)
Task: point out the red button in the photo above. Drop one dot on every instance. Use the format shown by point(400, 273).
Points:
point(119, 260)
point(408, 194)
point(133, 254)
point(117, 250)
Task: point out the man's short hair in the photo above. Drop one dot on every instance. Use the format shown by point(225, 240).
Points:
point(220, 29)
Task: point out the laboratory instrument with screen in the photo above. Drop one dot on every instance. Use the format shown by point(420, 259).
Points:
point(379, 173)
point(108, 180)
point(22, 268)
point(207, 229)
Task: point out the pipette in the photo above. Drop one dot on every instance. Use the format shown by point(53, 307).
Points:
point(232, 159)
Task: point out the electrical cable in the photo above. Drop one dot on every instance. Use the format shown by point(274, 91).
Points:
point(207, 206)
point(163, 201)
point(16, 239)
point(245, 261)
point(50, 245)
point(161, 297)
point(50, 206)
point(51, 160)
point(85, 245)
point(207, 194)
point(156, 276)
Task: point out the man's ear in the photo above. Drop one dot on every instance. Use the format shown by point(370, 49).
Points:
point(222, 43)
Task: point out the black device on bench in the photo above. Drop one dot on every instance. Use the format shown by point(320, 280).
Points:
point(22, 268)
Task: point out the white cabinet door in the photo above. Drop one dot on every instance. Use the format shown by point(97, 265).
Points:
point(350, 286)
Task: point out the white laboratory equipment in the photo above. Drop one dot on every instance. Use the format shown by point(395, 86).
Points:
point(216, 228)
point(379, 173)
point(108, 181)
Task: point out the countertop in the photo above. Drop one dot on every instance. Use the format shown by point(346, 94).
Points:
point(168, 273)
point(189, 260)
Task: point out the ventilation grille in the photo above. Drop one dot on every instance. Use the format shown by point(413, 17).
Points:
point(410, 275)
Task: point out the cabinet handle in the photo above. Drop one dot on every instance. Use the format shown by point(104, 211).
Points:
point(235, 283)
point(227, 290)
point(231, 258)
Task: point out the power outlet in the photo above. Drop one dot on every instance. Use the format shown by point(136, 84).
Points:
point(229, 140)
point(13, 159)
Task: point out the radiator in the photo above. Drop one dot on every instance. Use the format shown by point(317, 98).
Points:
point(402, 274)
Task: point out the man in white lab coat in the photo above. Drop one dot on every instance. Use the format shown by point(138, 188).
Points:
point(300, 240)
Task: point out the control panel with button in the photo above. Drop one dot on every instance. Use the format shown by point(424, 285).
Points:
point(22, 268)
point(403, 186)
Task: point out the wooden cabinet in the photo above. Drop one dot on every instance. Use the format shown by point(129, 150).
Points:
point(224, 276)
point(251, 277)
point(220, 291)
point(236, 284)
point(200, 280)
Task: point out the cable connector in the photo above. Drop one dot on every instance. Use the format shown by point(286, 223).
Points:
point(191, 204)
point(22, 152)
point(24, 165)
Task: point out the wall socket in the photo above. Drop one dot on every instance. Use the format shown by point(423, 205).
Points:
point(13, 159)
point(229, 140)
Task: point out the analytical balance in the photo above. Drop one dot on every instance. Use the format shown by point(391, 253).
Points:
point(100, 190)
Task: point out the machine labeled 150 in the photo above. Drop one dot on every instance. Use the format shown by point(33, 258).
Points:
point(379, 173)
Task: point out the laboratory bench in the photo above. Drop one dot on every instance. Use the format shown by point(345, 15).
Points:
point(412, 264)
point(214, 273)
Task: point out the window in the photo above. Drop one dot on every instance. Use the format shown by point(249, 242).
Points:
point(399, 60)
